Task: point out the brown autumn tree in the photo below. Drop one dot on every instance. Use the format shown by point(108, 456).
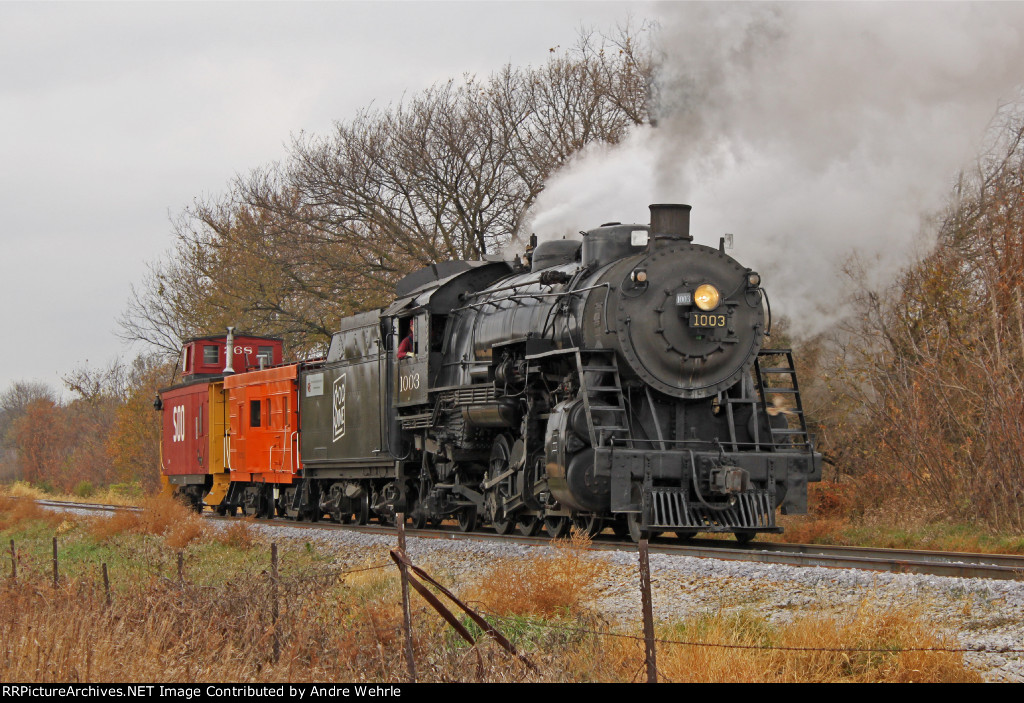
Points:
point(14, 403)
point(446, 174)
point(931, 372)
point(133, 444)
point(43, 444)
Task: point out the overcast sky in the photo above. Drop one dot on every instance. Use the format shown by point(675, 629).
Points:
point(116, 115)
point(804, 128)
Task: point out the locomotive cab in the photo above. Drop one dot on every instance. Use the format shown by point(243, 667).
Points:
point(412, 358)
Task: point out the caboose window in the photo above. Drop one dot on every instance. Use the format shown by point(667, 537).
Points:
point(254, 413)
point(267, 354)
point(211, 354)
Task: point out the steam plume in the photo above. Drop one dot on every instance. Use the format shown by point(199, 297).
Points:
point(807, 130)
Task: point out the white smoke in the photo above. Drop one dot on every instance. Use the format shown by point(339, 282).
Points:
point(810, 131)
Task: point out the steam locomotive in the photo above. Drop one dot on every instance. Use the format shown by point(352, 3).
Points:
point(619, 381)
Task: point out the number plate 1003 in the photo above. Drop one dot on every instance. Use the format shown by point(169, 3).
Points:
point(708, 319)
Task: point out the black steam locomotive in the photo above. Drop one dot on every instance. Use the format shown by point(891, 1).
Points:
point(618, 381)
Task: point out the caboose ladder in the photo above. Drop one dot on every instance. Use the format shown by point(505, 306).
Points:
point(601, 390)
point(776, 365)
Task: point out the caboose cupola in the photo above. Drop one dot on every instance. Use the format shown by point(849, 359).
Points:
point(206, 356)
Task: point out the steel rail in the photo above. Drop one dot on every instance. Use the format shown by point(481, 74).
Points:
point(65, 504)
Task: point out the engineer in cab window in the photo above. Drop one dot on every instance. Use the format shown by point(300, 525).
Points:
point(405, 347)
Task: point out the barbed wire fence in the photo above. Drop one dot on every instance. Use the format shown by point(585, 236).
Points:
point(418, 579)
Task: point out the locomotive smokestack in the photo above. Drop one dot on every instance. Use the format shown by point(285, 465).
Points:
point(670, 221)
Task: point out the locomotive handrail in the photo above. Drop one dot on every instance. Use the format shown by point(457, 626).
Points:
point(525, 296)
point(768, 304)
point(748, 445)
point(654, 415)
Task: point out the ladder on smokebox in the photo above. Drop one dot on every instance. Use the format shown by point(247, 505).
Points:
point(596, 397)
point(795, 436)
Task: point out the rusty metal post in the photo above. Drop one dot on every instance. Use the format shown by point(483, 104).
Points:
point(274, 613)
point(14, 563)
point(645, 596)
point(406, 607)
point(54, 562)
point(106, 583)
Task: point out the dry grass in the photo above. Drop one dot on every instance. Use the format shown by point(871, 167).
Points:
point(239, 534)
point(160, 516)
point(163, 630)
point(746, 647)
point(346, 625)
point(21, 489)
point(546, 585)
point(116, 495)
point(18, 511)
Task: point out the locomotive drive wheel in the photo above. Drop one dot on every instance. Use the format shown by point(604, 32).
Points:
point(363, 509)
point(590, 525)
point(503, 525)
point(557, 526)
point(467, 519)
point(417, 517)
point(529, 525)
point(501, 452)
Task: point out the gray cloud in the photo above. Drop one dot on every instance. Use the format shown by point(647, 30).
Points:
point(115, 114)
point(808, 130)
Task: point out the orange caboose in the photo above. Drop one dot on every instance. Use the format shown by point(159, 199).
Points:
point(263, 445)
point(193, 444)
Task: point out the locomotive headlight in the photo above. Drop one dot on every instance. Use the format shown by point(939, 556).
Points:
point(753, 280)
point(706, 297)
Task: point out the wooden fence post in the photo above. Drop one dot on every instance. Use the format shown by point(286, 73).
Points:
point(645, 597)
point(406, 607)
point(106, 583)
point(274, 613)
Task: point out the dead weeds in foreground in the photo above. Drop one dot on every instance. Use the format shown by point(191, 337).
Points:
point(176, 523)
point(552, 582)
point(349, 628)
point(180, 632)
point(745, 646)
point(18, 511)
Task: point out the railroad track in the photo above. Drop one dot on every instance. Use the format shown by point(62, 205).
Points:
point(957, 564)
point(66, 504)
